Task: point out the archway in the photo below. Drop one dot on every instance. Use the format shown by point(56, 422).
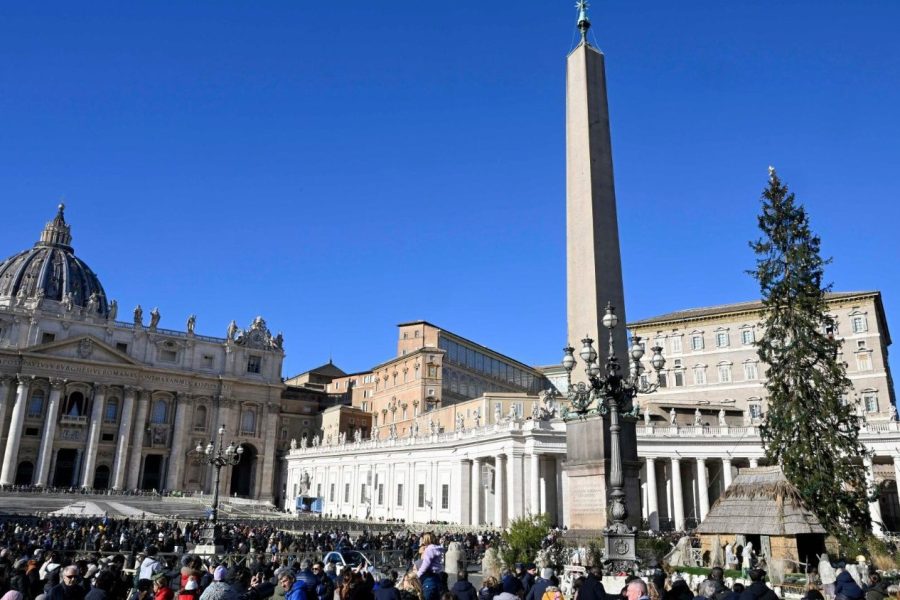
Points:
point(101, 478)
point(64, 473)
point(152, 479)
point(243, 474)
point(25, 473)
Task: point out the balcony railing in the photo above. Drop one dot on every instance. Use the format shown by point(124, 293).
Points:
point(73, 420)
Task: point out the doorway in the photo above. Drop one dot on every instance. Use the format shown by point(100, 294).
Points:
point(153, 467)
point(64, 473)
point(244, 473)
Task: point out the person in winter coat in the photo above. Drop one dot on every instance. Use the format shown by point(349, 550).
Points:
point(540, 585)
point(845, 586)
point(386, 590)
point(592, 589)
point(293, 588)
point(679, 590)
point(758, 590)
point(490, 587)
point(68, 587)
point(877, 589)
point(161, 589)
point(220, 589)
point(462, 589)
point(102, 586)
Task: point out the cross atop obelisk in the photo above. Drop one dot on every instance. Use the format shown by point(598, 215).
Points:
point(594, 269)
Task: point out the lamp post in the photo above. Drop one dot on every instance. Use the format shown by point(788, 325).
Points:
point(218, 455)
point(607, 392)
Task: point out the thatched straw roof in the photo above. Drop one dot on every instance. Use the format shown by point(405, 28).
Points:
point(760, 501)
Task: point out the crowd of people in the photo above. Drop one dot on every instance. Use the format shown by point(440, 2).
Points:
point(109, 559)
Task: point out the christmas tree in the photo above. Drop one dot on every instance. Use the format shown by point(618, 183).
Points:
point(810, 429)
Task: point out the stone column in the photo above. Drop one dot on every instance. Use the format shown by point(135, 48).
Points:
point(177, 452)
point(535, 463)
point(702, 488)
point(726, 473)
point(5, 384)
point(465, 493)
point(754, 462)
point(93, 441)
point(10, 457)
point(874, 506)
point(499, 492)
point(515, 491)
point(476, 490)
point(46, 452)
point(137, 439)
point(652, 498)
point(677, 496)
point(122, 439)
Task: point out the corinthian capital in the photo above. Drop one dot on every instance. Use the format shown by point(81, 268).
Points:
point(57, 383)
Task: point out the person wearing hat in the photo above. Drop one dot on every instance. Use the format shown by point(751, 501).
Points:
point(758, 590)
point(219, 589)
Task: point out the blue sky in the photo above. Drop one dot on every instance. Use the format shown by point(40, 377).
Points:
point(340, 167)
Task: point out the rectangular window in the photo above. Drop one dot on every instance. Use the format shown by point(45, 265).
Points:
point(747, 337)
point(421, 495)
point(331, 493)
point(380, 494)
point(679, 378)
point(864, 361)
point(319, 490)
point(722, 339)
point(111, 412)
point(696, 342)
point(676, 344)
point(122, 347)
point(108, 437)
point(399, 494)
point(168, 355)
point(750, 373)
point(254, 364)
point(755, 411)
point(207, 361)
point(724, 373)
point(663, 382)
point(362, 493)
point(699, 375)
point(859, 324)
point(46, 338)
point(871, 402)
point(445, 497)
point(346, 493)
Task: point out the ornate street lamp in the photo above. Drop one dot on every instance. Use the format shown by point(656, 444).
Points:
point(609, 393)
point(217, 455)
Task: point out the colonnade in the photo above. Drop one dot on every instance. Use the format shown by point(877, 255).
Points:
point(134, 408)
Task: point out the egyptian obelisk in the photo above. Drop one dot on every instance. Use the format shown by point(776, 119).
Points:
point(593, 277)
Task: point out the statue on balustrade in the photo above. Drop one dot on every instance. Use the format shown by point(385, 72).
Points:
point(697, 418)
point(154, 318)
point(722, 422)
point(672, 416)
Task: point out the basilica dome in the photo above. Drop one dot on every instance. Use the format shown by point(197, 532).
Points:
point(51, 271)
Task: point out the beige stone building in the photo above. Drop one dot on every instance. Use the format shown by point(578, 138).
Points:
point(433, 369)
point(88, 400)
point(712, 364)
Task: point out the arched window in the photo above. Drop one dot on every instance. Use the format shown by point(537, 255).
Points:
point(160, 412)
point(248, 421)
point(111, 412)
point(200, 418)
point(36, 404)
